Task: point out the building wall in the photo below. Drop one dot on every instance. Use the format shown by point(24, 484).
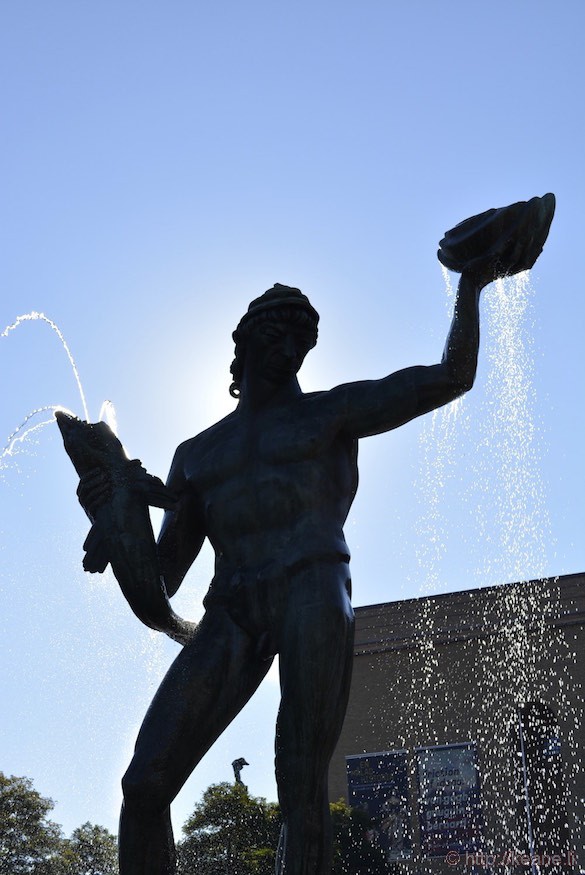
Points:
point(458, 668)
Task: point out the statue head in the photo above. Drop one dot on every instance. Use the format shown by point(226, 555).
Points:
point(280, 304)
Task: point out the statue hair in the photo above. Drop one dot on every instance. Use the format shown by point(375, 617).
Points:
point(290, 313)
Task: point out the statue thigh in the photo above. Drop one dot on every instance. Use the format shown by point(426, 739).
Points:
point(207, 685)
point(316, 655)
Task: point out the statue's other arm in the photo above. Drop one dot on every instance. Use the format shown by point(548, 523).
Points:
point(375, 406)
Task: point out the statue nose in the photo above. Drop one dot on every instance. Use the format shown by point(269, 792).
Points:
point(289, 349)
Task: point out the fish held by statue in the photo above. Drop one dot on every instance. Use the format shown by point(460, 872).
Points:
point(121, 532)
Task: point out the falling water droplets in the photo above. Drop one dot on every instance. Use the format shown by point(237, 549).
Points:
point(34, 316)
point(108, 414)
point(24, 431)
point(31, 425)
point(516, 632)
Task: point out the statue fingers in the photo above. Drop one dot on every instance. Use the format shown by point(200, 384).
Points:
point(159, 495)
point(154, 491)
point(93, 490)
point(166, 500)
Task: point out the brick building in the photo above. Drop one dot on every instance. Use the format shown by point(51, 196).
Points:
point(464, 734)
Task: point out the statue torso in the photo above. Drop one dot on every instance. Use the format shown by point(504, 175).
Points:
point(275, 485)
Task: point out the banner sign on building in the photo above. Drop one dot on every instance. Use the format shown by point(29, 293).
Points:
point(377, 783)
point(449, 801)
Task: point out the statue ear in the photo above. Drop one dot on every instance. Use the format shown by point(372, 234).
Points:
point(237, 369)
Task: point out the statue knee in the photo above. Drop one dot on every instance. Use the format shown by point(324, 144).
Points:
point(143, 788)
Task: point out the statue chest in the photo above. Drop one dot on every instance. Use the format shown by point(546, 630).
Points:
point(259, 448)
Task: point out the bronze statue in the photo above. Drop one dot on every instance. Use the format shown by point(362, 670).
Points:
point(237, 766)
point(271, 486)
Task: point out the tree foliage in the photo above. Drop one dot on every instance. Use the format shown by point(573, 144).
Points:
point(31, 844)
point(229, 832)
point(233, 833)
point(29, 841)
point(353, 853)
point(91, 850)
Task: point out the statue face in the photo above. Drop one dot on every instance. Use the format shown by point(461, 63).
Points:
point(276, 350)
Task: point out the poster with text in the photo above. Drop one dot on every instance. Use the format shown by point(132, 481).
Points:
point(378, 785)
point(449, 799)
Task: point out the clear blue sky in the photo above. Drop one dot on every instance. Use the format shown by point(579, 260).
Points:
point(162, 164)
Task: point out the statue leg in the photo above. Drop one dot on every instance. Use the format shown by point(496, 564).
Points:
point(206, 686)
point(316, 654)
